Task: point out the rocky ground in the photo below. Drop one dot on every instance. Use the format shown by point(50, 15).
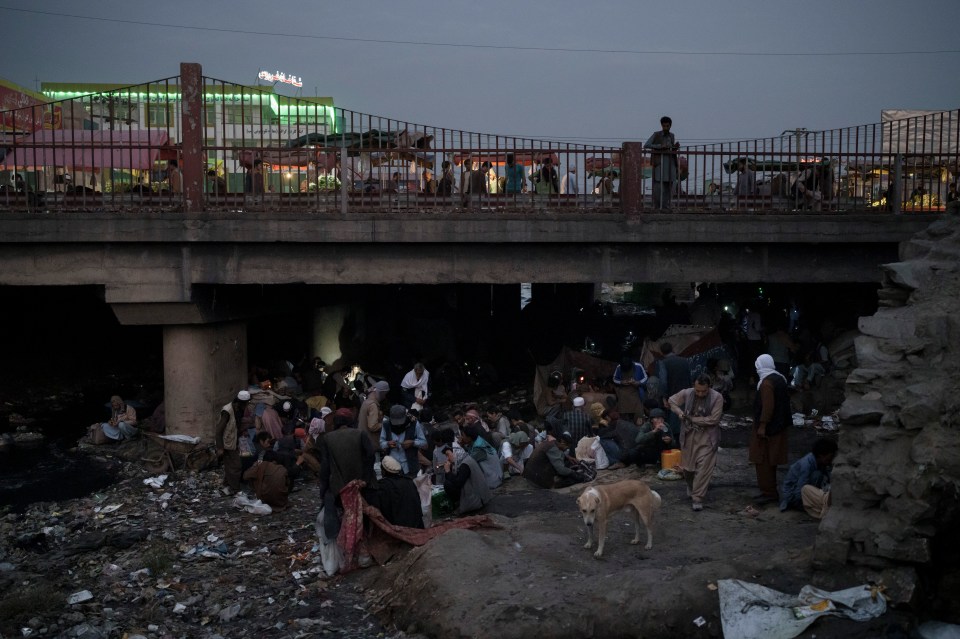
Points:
point(179, 560)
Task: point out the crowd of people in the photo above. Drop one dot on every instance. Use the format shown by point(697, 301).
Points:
point(278, 434)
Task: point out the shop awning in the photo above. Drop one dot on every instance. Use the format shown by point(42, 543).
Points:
point(80, 149)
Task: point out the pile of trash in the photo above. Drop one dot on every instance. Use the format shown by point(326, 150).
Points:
point(170, 555)
point(821, 423)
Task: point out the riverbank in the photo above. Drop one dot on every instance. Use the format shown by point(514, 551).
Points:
point(180, 560)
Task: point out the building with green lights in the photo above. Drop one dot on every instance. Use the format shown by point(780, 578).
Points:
point(235, 116)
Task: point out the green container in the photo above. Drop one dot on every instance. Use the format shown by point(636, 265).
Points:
point(441, 505)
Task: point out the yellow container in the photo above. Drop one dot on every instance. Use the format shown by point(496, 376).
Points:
point(669, 458)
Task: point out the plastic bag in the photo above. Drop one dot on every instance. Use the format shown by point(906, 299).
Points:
point(330, 553)
point(254, 506)
point(599, 454)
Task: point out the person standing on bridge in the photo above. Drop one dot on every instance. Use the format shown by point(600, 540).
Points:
point(516, 180)
point(664, 162)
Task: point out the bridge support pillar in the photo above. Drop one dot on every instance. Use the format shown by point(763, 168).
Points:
point(204, 366)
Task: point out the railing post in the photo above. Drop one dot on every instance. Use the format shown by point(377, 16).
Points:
point(191, 127)
point(344, 189)
point(631, 178)
point(896, 190)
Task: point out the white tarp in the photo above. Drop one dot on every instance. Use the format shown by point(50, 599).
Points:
point(922, 132)
point(752, 611)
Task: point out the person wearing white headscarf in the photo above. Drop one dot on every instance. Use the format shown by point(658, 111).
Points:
point(415, 387)
point(768, 441)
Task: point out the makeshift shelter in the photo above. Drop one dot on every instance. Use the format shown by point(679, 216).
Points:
point(696, 343)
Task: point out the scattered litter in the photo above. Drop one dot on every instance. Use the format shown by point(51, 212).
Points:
point(798, 419)
point(711, 586)
point(155, 482)
point(668, 474)
point(700, 621)
point(220, 551)
point(106, 510)
point(179, 609)
point(80, 597)
point(254, 506)
point(749, 511)
point(183, 439)
point(730, 422)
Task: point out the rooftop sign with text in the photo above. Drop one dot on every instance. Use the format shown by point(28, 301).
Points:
point(281, 77)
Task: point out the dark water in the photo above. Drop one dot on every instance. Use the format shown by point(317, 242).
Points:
point(50, 473)
point(53, 470)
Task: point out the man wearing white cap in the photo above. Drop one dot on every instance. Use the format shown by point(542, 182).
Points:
point(576, 421)
point(226, 440)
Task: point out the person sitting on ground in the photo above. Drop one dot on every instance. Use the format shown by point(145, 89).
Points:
point(721, 378)
point(399, 499)
point(123, 420)
point(556, 397)
point(576, 421)
point(269, 481)
point(497, 422)
point(270, 422)
point(547, 466)
point(807, 484)
point(606, 430)
point(517, 424)
point(515, 451)
point(464, 482)
point(812, 369)
point(485, 455)
point(652, 439)
point(264, 446)
point(401, 437)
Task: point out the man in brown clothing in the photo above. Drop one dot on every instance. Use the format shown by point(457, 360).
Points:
point(699, 409)
point(768, 441)
point(370, 419)
point(269, 481)
point(227, 432)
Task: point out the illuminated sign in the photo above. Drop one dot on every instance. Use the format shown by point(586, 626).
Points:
point(279, 76)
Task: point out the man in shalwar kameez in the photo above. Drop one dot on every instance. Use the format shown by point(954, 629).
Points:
point(699, 409)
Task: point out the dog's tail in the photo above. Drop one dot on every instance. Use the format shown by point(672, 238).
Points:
point(656, 498)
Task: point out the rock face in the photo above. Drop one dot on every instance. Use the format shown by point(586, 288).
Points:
point(896, 482)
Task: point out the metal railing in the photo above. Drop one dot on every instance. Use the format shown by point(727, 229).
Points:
point(200, 144)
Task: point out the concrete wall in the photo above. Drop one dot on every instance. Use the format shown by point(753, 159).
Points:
point(203, 368)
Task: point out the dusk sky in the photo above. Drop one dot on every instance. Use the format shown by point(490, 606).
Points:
point(716, 66)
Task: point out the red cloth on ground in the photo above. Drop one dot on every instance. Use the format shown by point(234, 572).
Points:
point(352, 540)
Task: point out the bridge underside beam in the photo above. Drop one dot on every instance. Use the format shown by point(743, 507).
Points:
point(162, 276)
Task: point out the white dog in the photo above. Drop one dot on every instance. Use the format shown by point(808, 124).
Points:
point(597, 503)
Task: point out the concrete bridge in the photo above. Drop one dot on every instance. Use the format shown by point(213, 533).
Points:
point(177, 256)
point(177, 269)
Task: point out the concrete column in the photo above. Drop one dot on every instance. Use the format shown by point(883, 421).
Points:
point(193, 158)
point(204, 366)
point(631, 178)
